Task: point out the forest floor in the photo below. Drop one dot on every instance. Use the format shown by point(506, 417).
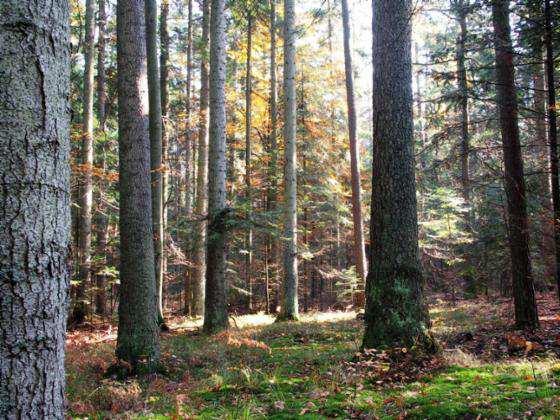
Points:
point(313, 369)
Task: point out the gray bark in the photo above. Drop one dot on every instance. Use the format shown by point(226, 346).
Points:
point(290, 285)
point(201, 206)
point(34, 206)
point(137, 341)
point(86, 192)
point(156, 153)
point(395, 309)
point(215, 313)
point(359, 242)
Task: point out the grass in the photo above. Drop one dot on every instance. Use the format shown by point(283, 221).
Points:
point(304, 369)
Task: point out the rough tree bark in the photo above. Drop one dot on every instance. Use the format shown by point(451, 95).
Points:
point(289, 305)
point(395, 310)
point(137, 341)
point(86, 192)
point(359, 242)
point(201, 206)
point(518, 230)
point(156, 154)
point(34, 206)
point(216, 313)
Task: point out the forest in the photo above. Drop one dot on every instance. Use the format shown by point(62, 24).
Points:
point(225, 209)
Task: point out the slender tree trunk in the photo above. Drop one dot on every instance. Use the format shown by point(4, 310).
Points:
point(201, 207)
point(523, 289)
point(395, 310)
point(272, 193)
point(216, 313)
point(137, 341)
point(86, 193)
point(103, 217)
point(34, 207)
point(189, 163)
point(290, 285)
point(463, 105)
point(248, 172)
point(164, 76)
point(553, 135)
point(359, 242)
point(156, 158)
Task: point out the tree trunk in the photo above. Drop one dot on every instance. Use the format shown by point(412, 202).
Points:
point(523, 289)
point(201, 207)
point(187, 244)
point(359, 242)
point(216, 313)
point(248, 174)
point(137, 341)
point(102, 216)
point(290, 286)
point(86, 193)
point(553, 135)
point(395, 310)
point(34, 207)
point(272, 193)
point(164, 76)
point(463, 106)
point(156, 159)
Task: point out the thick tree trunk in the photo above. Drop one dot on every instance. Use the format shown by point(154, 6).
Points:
point(102, 216)
point(156, 157)
point(395, 310)
point(86, 192)
point(553, 135)
point(189, 163)
point(248, 174)
point(216, 313)
point(34, 207)
point(137, 341)
point(201, 206)
point(359, 242)
point(164, 77)
point(523, 289)
point(289, 303)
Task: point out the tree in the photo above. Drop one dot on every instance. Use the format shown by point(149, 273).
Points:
point(102, 217)
point(156, 156)
point(201, 205)
point(34, 207)
point(290, 286)
point(216, 314)
point(359, 243)
point(248, 146)
point(137, 341)
point(518, 234)
point(553, 135)
point(272, 191)
point(164, 91)
point(86, 193)
point(395, 310)
point(189, 162)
